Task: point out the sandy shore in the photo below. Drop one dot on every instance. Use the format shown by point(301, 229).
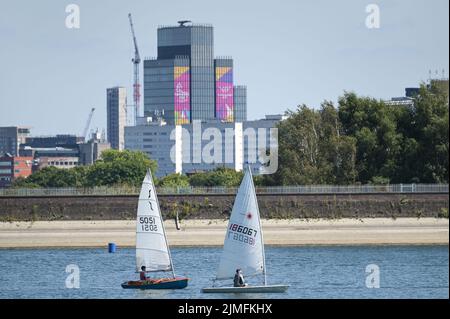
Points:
point(379, 231)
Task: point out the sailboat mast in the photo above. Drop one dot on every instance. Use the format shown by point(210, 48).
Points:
point(260, 227)
point(164, 230)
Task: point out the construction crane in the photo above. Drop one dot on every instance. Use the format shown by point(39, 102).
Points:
point(88, 123)
point(136, 61)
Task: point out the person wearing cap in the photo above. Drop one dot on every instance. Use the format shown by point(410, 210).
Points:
point(238, 280)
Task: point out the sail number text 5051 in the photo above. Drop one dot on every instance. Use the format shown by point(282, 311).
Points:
point(148, 223)
point(243, 234)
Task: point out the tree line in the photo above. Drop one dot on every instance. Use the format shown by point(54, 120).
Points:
point(123, 168)
point(366, 141)
point(361, 140)
point(115, 168)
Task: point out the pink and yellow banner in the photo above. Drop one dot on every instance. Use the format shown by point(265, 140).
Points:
point(182, 95)
point(224, 94)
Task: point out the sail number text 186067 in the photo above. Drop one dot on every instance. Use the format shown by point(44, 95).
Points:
point(148, 223)
point(243, 234)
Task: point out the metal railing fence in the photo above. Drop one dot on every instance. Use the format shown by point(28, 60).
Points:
point(217, 190)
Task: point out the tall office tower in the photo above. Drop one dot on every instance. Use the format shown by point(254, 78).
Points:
point(240, 103)
point(116, 109)
point(185, 83)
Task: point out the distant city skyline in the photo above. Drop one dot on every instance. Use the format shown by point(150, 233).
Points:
point(289, 53)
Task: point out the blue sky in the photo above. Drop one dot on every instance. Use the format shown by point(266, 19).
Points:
point(287, 52)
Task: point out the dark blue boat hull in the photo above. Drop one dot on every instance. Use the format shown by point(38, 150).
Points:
point(175, 283)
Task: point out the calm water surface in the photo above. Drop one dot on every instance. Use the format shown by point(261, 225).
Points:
point(311, 272)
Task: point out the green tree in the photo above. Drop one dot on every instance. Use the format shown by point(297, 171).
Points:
point(174, 180)
point(220, 176)
point(298, 148)
point(120, 168)
point(54, 177)
point(337, 150)
point(312, 149)
point(378, 144)
point(425, 130)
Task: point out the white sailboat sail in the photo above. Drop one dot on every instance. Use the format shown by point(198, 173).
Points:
point(243, 246)
point(152, 250)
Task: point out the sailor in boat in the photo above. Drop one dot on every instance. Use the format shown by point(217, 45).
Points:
point(239, 279)
point(143, 276)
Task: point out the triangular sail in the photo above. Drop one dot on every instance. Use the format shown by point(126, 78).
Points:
point(151, 245)
point(243, 246)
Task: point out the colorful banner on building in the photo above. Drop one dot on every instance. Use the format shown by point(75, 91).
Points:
point(224, 94)
point(182, 95)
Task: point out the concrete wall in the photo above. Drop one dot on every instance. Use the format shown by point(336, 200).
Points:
point(219, 206)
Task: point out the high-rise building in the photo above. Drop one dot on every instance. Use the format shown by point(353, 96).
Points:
point(185, 82)
point(116, 109)
point(10, 139)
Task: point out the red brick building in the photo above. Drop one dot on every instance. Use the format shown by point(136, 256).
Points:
point(12, 167)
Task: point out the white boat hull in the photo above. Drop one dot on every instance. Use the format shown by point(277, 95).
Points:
point(247, 289)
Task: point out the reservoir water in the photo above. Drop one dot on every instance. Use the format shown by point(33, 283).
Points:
point(311, 272)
